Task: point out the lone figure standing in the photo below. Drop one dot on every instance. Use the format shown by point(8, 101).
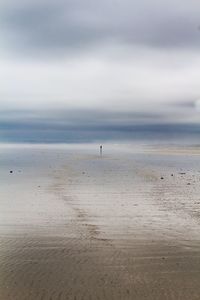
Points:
point(101, 150)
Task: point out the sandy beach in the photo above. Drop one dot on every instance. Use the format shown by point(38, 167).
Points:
point(74, 225)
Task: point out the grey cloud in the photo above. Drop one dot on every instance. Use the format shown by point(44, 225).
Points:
point(90, 126)
point(74, 118)
point(84, 119)
point(64, 25)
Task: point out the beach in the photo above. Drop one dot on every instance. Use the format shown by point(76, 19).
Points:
point(75, 225)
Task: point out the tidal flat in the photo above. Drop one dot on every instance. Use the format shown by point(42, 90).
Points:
point(75, 225)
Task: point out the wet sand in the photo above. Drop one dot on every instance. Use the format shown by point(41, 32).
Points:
point(77, 226)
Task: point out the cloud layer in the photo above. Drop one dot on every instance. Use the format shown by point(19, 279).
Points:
point(108, 54)
point(60, 24)
point(98, 126)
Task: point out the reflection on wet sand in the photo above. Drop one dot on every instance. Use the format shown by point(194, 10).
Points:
point(110, 228)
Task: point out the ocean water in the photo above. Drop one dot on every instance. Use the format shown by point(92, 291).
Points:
point(150, 133)
point(28, 173)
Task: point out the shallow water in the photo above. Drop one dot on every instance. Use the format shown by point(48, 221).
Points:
point(74, 225)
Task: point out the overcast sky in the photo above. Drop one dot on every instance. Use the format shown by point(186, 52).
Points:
point(108, 54)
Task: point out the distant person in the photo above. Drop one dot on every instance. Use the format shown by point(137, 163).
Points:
point(101, 150)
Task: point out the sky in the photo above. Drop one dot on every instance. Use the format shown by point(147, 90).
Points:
point(90, 56)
